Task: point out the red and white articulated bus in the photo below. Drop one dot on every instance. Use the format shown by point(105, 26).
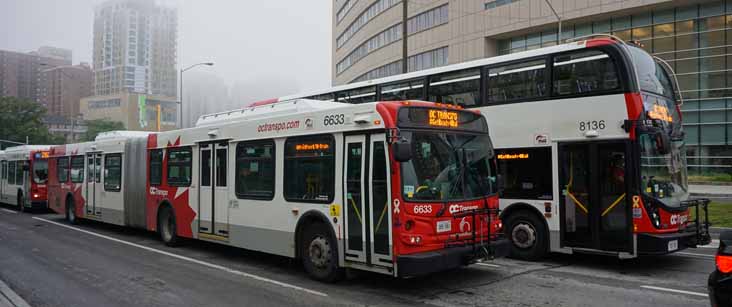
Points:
point(400, 188)
point(23, 176)
point(589, 140)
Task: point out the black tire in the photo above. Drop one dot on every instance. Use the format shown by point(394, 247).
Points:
point(71, 212)
point(319, 252)
point(528, 236)
point(167, 227)
point(21, 205)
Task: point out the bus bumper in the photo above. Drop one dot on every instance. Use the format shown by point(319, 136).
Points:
point(449, 258)
point(664, 243)
point(38, 204)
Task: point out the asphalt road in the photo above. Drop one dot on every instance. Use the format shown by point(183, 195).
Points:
point(50, 263)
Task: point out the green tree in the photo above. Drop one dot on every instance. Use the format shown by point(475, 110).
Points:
point(21, 118)
point(98, 126)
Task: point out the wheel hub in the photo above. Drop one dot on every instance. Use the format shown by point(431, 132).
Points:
point(319, 252)
point(523, 235)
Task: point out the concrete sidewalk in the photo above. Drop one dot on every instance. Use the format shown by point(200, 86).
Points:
point(9, 298)
point(711, 191)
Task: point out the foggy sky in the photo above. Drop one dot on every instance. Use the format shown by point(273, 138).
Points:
point(262, 43)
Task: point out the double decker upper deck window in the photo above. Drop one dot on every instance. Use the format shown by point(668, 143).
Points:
point(518, 81)
point(584, 72)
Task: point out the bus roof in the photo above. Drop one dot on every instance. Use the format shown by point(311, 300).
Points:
point(27, 148)
point(121, 134)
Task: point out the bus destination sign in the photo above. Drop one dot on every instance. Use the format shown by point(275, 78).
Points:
point(443, 118)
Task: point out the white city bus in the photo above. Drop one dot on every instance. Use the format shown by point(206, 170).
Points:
point(589, 140)
point(400, 188)
point(23, 176)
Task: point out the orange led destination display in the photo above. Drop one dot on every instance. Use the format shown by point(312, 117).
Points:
point(661, 113)
point(309, 147)
point(516, 156)
point(442, 118)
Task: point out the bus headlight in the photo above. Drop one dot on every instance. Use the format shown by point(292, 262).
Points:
point(655, 218)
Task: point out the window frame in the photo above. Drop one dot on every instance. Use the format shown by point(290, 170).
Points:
point(481, 86)
point(485, 78)
point(71, 167)
point(3, 169)
point(105, 172)
point(189, 164)
point(240, 195)
point(150, 169)
point(286, 178)
point(59, 166)
point(14, 164)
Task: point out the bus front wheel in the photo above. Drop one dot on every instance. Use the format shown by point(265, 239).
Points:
point(320, 254)
point(528, 236)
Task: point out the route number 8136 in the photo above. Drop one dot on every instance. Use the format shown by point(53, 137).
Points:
point(592, 125)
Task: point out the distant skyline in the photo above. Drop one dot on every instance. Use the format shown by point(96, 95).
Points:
point(248, 40)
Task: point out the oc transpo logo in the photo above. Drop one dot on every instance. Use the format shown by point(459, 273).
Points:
point(158, 192)
point(459, 208)
point(678, 219)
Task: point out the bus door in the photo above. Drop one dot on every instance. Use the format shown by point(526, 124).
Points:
point(594, 205)
point(367, 217)
point(93, 183)
point(213, 194)
point(3, 178)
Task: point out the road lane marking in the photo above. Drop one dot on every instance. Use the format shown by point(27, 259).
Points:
point(488, 264)
point(9, 211)
point(676, 291)
point(203, 263)
point(697, 255)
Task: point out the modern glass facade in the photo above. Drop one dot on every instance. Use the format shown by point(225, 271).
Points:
point(696, 41)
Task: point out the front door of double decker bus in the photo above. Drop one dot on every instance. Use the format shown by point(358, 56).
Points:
point(594, 206)
point(213, 217)
point(366, 214)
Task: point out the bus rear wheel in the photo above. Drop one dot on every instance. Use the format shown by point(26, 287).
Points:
point(167, 227)
point(21, 205)
point(70, 211)
point(320, 254)
point(528, 236)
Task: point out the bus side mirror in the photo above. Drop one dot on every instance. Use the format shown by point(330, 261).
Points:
point(663, 142)
point(402, 151)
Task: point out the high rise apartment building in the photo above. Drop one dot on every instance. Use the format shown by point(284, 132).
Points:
point(20, 73)
point(135, 57)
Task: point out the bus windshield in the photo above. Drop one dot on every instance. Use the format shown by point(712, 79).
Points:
point(663, 177)
point(40, 171)
point(447, 166)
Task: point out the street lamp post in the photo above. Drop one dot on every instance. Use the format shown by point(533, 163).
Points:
point(181, 87)
point(559, 19)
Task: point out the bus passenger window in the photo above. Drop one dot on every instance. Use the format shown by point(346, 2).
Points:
point(156, 166)
point(179, 167)
point(310, 169)
point(62, 167)
point(408, 90)
point(583, 73)
point(527, 172)
point(359, 95)
point(77, 169)
point(4, 170)
point(11, 172)
point(255, 170)
point(19, 172)
point(113, 172)
point(458, 88)
point(517, 81)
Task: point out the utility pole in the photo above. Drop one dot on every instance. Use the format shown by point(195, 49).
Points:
point(405, 35)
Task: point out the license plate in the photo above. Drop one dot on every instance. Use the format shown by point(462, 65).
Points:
point(673, 245)
point(444, 226)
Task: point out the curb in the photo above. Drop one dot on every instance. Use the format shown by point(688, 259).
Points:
point(9, 297)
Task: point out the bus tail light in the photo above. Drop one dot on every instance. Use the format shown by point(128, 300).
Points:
point(724, 263)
